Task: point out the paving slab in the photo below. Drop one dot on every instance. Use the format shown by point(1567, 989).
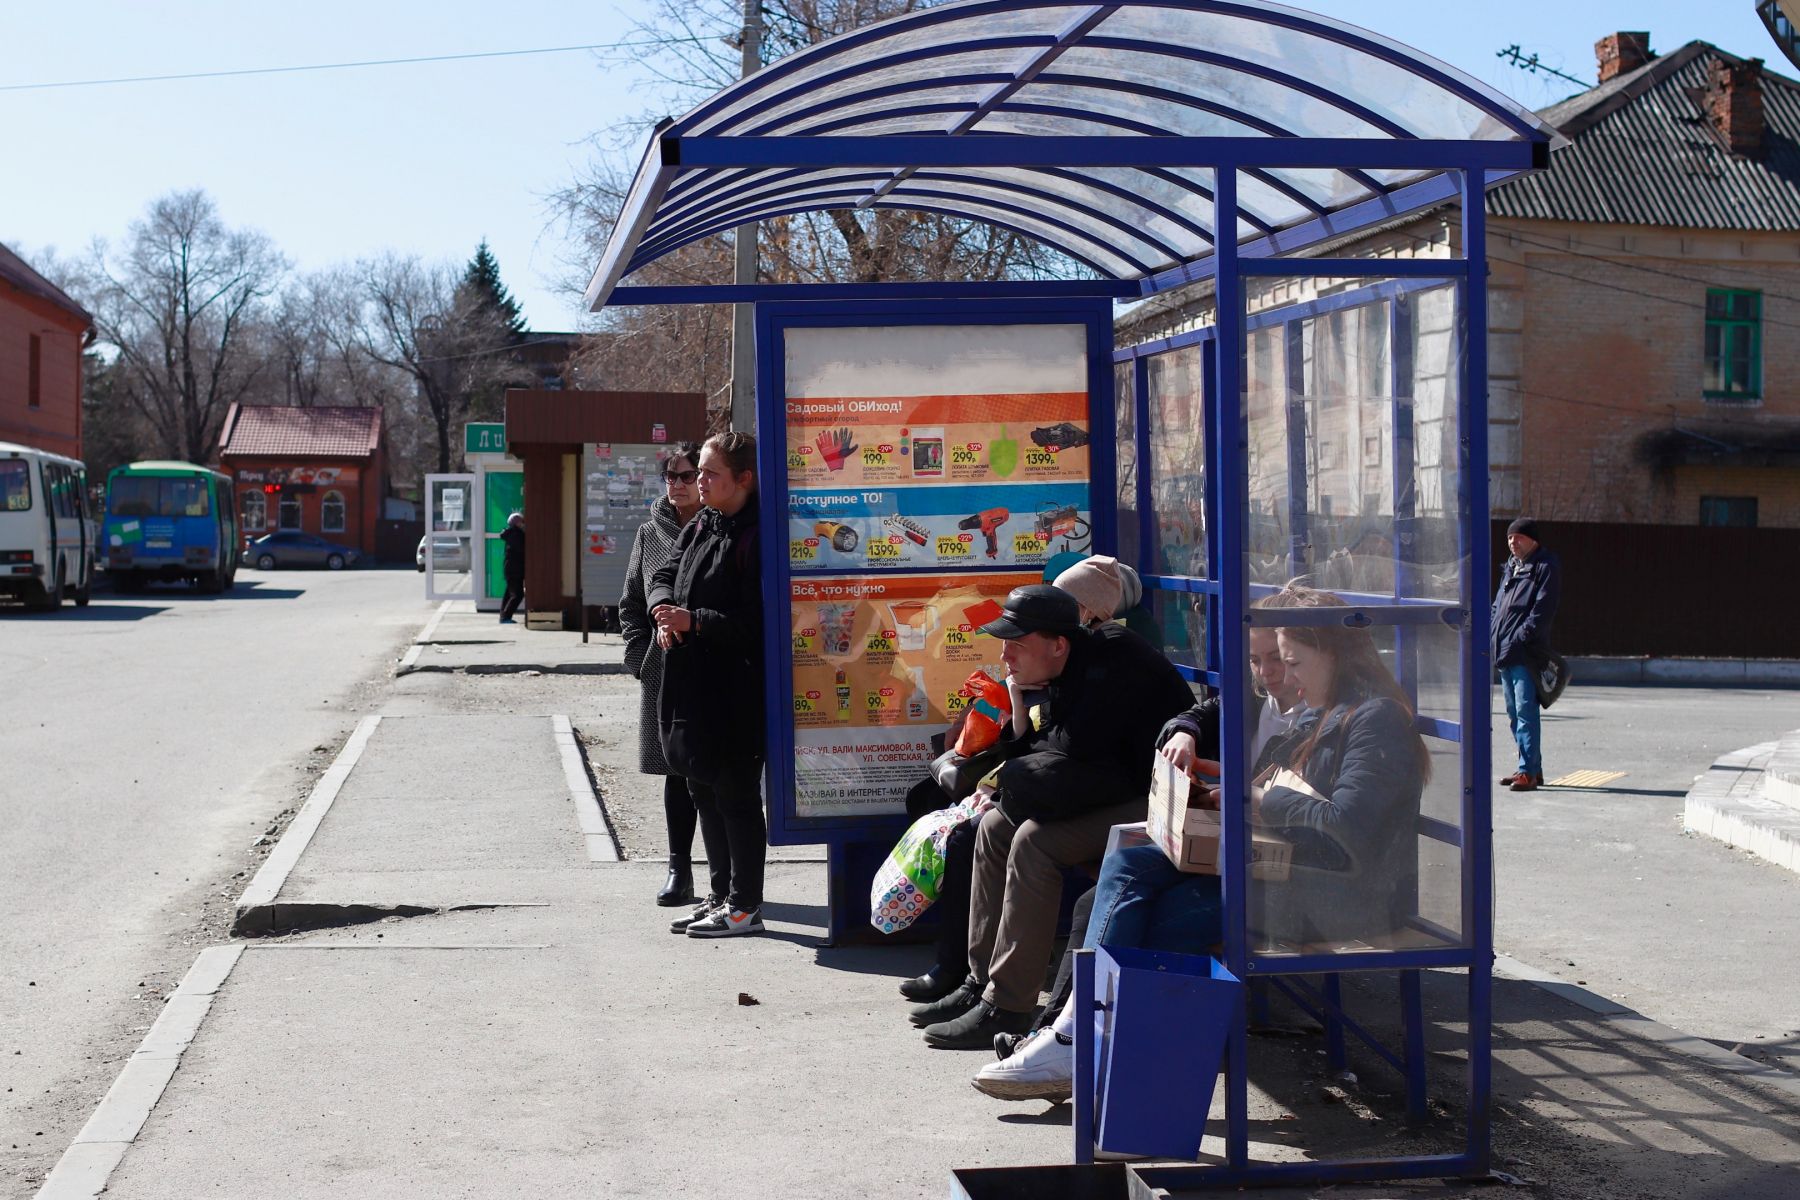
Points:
point(466, 641)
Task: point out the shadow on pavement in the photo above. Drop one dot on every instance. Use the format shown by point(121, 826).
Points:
point(244, 589)
point(96, 612)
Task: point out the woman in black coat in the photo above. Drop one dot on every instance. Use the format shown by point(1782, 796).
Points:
point(707, 605)
point(653, 547)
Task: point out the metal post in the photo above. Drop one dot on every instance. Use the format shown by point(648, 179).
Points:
point(1299, 523)
point(1232, 449)
point(743, 329)
point(1478, 799)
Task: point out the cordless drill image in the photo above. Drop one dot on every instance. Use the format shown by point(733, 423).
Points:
point(1064, 435)
point(989, 522)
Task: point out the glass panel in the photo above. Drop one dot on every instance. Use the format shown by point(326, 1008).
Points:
point(1177, 445)
point(1181, 626)
point(1095, 248)
point(1125, 439)
point(1098, 232)
point(1265, 99)
point(1396, 92)
point(752, 189)
point(941, 119)
point(924, 34)
point(945, 72)
point(1350, 410)
point(1153, 191)
point(15, 485)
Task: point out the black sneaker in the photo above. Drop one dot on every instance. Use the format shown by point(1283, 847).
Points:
point(966, 996)
point(976, 1028)
point(701, 911)
point(1006, 1043)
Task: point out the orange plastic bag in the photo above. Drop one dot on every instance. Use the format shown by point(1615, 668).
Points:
point(989, 711)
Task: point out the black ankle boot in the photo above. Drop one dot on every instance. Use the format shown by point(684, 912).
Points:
point(679, 887)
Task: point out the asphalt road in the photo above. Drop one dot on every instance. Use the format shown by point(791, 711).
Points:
point(145, 742)
point(1602, 887)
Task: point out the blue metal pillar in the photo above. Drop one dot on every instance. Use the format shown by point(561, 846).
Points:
point(1478, 822)
point(1228, 454)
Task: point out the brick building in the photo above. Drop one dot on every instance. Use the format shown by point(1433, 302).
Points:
point(316, 470)
point(42, 334)
point(1644, 333)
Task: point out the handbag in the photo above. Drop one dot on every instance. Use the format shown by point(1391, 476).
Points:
point(1550, 679)
point(959, 774)
point(907, 882)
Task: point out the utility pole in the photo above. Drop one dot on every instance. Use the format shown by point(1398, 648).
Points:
point(743, 325)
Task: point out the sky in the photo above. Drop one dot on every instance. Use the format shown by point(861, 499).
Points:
point(430, 158)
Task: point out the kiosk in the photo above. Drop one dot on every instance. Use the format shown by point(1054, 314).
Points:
point(1330, 421)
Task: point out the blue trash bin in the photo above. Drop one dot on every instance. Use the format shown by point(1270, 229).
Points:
point(1160, 1025)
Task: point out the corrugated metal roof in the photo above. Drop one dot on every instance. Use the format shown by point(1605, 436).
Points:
point(1643, 152)
point(276, 431)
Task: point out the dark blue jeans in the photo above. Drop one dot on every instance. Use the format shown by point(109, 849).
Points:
point(1522, 712)
point(1143, 901)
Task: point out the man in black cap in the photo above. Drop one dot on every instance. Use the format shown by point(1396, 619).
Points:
point(1078, 764)
point(1524, 605)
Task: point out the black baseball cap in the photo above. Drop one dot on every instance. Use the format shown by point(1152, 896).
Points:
point(1036, 608)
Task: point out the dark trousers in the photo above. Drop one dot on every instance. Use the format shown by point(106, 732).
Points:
point(953, 901)
point(679, 812)
point(512, 597)
point(735, 834)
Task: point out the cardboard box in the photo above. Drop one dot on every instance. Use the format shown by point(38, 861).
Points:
point(1191, 835)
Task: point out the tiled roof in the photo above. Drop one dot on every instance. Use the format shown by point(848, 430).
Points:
point(277, 431)
point(1643, 152)
point(18, 272)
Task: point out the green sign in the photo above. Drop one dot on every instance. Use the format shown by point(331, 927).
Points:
point(484, 437)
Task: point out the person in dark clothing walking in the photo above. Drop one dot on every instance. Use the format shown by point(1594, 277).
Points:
point(512, 567)
point(650, 550)
point(1524, 606)
point(707, 605)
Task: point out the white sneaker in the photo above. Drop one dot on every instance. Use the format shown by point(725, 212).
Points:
point(1041, 1068)
point(725, 921)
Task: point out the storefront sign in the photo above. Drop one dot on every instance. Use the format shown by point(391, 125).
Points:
point(484, 437)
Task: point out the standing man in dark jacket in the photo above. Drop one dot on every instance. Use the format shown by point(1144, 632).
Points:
point(512, 567)
point(1524, 606)
point(1080, 765)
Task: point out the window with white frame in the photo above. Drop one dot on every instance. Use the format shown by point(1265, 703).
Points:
point(256, 510)
point(290, 512)
point(331, 512)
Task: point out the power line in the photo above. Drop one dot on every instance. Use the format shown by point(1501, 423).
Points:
point(338, 66)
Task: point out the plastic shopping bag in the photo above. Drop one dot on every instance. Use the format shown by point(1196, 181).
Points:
point(907, 882)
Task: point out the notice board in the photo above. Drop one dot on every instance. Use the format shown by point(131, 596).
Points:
point(926, 468)
point(620, 483)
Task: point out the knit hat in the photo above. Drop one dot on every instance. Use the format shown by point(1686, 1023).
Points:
point(1527, 526)
point(1131, 589)
point(1096, 584)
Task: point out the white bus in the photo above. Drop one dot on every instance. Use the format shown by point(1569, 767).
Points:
point(46, 529)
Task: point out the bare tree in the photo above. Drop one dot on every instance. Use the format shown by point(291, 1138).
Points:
point(177, 306)
point(452, 348)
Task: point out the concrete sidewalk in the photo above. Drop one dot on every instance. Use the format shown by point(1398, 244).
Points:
point(459, 639)
point(1750, 799)
point(519, 1022)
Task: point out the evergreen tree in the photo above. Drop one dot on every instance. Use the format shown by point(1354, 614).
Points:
point(481, 283)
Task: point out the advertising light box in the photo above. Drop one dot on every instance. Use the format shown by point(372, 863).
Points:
point(930, 469)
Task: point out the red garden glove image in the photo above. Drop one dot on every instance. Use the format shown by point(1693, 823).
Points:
point(987, 715)
point(835, 446)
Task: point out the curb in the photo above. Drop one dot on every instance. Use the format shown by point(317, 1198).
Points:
point(601, 845)
point(1702, 672)
point(88, 1163)
point(426, 633)
point(256, 908)
point(1732, 803)
point(1635, 1024)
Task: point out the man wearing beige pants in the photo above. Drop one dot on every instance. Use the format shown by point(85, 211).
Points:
point(1078, 763)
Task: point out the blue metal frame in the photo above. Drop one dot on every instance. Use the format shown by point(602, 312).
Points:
point(725, 163)
point(772, 322)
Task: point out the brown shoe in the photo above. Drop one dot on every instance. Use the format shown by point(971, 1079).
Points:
point(1527, 783)
point(1508, 780)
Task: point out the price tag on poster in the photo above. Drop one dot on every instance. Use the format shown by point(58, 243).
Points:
point(931, 470)
point(878, 667)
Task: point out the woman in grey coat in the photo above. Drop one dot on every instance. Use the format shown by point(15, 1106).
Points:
point(654, 546)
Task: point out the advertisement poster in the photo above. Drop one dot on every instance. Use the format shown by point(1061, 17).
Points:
point(931, 470)
point(878, 664)
point(620, 483)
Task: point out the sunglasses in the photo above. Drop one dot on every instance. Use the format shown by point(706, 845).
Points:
point(681, 476)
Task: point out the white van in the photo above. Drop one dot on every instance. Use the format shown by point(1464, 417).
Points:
point(46, 529)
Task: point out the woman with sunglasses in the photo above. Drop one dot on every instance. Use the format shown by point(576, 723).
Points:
point(707, 605)
point(654, 546)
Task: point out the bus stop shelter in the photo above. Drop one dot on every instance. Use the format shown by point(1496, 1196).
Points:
point(924, 446)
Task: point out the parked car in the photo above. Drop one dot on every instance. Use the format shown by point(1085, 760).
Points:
point(299, 550)
point(447, 553)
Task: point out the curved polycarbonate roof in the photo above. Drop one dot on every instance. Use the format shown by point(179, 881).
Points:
point(1080, 74)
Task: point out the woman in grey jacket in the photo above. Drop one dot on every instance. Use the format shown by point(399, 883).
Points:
point(654, 546)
